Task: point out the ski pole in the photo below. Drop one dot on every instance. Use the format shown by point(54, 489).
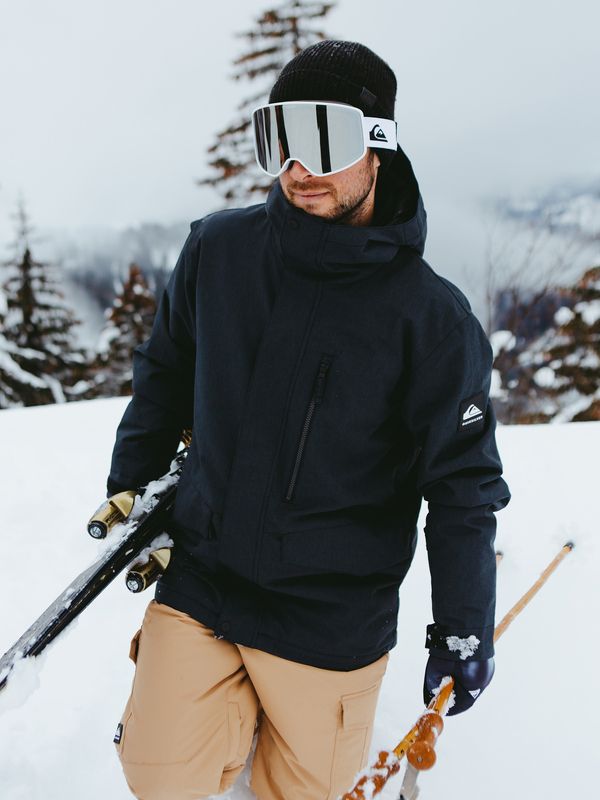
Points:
point(421, 754)
point(419, 743)
point(520, 605)
point(388, 763)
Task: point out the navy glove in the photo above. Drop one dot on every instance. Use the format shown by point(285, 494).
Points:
point(470, 679)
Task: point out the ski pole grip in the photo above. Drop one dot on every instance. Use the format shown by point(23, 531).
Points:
point(421, 753)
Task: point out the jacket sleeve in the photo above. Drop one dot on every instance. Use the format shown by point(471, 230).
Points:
point(163, 382)
point(448, 410)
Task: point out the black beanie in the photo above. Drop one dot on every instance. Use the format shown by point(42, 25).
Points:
point(347, 72)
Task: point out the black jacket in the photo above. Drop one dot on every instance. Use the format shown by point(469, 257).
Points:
point(332, 379)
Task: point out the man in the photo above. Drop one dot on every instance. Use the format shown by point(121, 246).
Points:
point(332, 380)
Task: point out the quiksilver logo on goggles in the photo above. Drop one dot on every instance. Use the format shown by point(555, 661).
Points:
point(377, 135)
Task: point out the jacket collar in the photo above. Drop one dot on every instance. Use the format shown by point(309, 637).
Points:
point(311, 245)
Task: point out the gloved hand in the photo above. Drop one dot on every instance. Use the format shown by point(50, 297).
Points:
point(470, 679)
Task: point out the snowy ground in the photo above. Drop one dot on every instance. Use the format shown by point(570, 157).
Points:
point(531, 735)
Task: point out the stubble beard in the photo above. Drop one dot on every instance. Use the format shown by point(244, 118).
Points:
point(347, 209)
point(350, 208)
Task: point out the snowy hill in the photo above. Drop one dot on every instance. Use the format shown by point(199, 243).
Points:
point(565, 208)
point(529, 736)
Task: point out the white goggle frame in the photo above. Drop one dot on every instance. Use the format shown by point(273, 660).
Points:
point(348, 130)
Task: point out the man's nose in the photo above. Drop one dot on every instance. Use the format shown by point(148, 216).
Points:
point(297, 170)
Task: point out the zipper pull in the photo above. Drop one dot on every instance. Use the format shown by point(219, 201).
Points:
point(319, 385)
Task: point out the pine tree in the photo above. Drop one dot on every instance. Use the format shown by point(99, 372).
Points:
point(557, 377)
point(280, 34)
point(128, 323)
point(39, 358)
point(571, 374)
point(15, 381)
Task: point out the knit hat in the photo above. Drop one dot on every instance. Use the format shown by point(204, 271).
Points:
point(348, 72)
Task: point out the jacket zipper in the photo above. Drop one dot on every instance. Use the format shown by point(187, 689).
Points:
point(316, 397)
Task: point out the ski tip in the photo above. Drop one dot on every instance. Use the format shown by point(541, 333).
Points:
point(569, 544)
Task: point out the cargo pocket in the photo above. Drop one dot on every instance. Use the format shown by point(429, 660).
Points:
point(119, 736)
point(134, 646)
point(352, 738)
point(234, 733)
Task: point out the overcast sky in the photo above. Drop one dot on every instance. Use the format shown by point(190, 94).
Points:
point(107, 106)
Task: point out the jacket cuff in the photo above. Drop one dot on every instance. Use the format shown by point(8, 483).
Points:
point(461, 644)
point(113, 487)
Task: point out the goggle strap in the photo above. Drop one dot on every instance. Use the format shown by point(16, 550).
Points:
point(380, 132)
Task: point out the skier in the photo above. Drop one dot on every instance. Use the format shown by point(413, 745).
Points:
point(332, 381)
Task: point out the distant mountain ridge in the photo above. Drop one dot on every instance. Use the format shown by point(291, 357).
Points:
point(568, 208)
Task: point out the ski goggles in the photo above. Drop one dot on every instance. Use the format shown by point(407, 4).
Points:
point(324, 137)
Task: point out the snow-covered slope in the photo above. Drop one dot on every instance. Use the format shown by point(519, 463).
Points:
point(531, 735)
point(566, 208)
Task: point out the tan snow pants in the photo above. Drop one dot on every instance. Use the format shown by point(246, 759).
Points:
point(188, 725)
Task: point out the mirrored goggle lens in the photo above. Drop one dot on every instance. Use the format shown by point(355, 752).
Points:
point(324, 137)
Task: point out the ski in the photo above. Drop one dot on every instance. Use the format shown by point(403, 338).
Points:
point(144, 523)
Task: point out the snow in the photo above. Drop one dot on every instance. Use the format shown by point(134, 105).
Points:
point(496, 389)
point(464, 647)
point(590, 360)
point(14, 370)
point(163, 540)
point(589, 311)
point(581, 212)
point(578, 209)
point(547, 378)
point(106, 336)
point(447, 680)
point(502, 340)
point(56, 388)
point(573, 404)
point(25, 679)
point(563, 316)
point(56, 739)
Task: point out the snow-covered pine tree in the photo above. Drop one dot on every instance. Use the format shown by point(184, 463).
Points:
point(13, 379)
point(128, 323)
point(558, 375)
point(280, 34)
point(40, 360)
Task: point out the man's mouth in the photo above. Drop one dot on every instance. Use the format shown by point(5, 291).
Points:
point(311, 194)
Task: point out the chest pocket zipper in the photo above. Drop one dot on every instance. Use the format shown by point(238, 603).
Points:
point(315, 399)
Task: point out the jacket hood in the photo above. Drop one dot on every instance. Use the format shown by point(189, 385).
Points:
point(312, 245)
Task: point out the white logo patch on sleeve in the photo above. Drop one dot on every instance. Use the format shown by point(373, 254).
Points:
point(471, 412)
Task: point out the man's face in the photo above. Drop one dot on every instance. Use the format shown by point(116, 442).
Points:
point(345, 197)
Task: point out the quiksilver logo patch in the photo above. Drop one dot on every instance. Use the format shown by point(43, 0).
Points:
point(471, 413)
point(118, 734)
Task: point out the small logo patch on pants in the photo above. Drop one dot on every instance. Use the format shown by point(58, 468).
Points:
point(118, 734)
